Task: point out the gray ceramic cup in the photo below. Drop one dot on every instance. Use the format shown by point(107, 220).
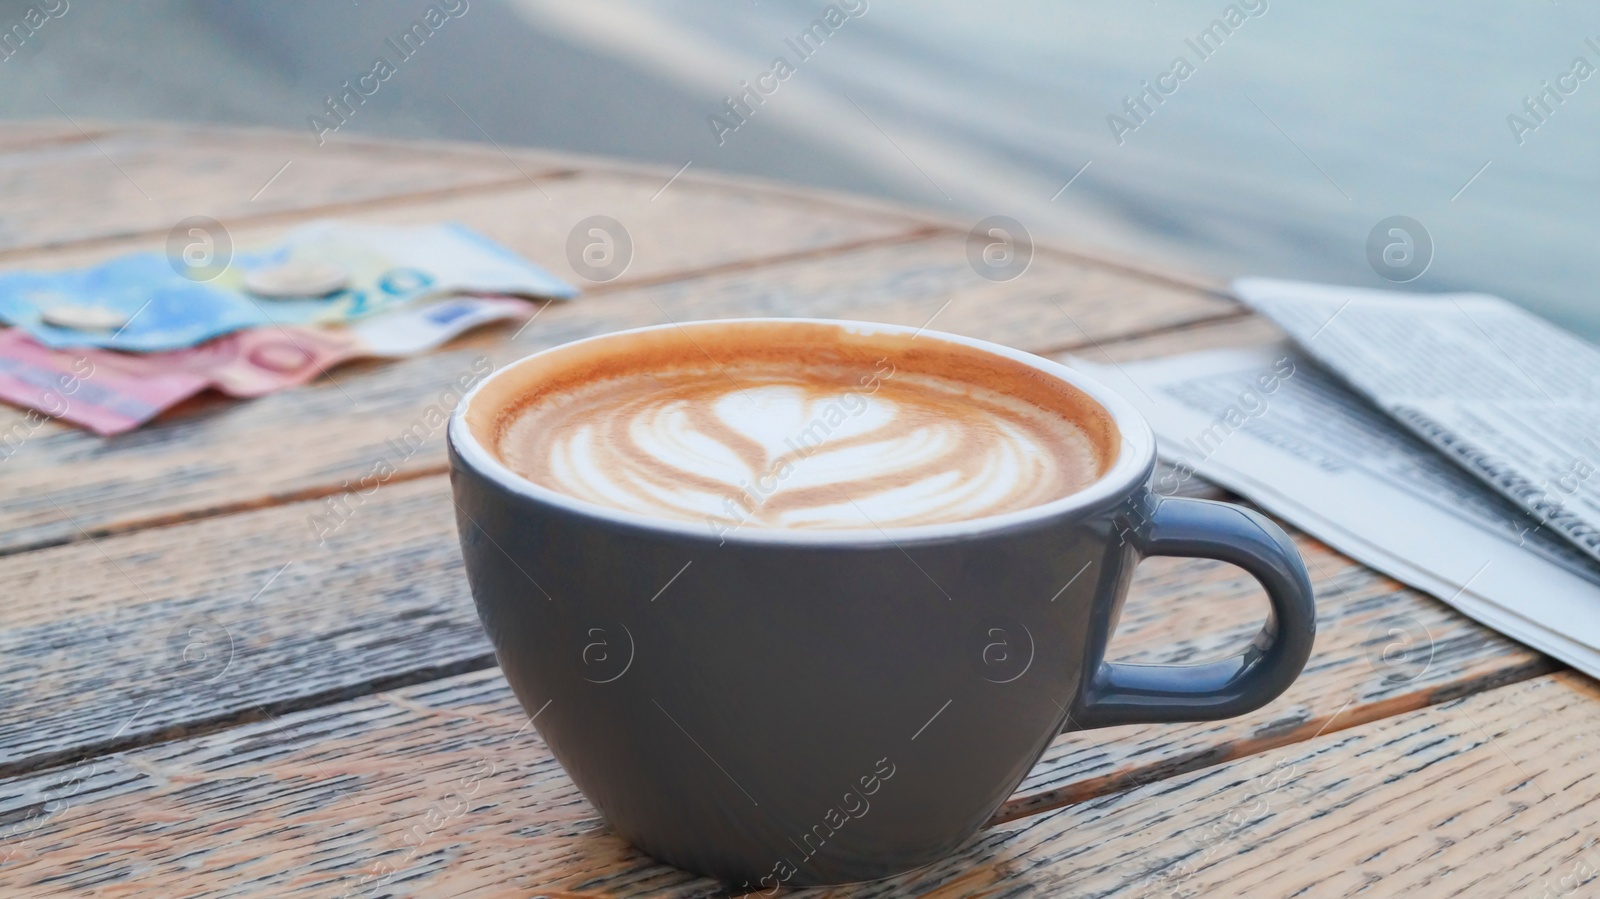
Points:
point(783, 708)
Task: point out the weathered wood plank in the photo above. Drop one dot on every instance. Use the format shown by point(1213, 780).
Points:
point(144, 181)
point(442, 789)
point(629, 192)
point(312, 440)
point(1382, 649)
point(1492, 795)
point(1163, 270)
point(203, 622)
point(1235, 332)
point(690, 229)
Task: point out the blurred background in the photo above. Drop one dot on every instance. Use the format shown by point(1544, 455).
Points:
point(1292, 134)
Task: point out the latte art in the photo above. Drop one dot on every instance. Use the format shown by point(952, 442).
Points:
point(824, 444)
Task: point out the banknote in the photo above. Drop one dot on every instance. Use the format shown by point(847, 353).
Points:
point(407, 332)
point(113, 392)
point(263, 360)
point(70, 387)
point(145, 303)
point(249, 363)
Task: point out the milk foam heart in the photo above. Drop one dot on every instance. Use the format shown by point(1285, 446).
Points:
point(809, 440)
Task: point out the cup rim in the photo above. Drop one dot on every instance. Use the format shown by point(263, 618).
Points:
point(1135, 457)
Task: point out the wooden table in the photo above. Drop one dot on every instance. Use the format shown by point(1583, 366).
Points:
point(337, 701)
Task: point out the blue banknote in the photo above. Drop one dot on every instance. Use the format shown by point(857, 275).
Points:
point(387, 267)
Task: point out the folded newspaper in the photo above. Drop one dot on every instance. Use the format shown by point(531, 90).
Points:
point(1512, 399)
point(1272, 425)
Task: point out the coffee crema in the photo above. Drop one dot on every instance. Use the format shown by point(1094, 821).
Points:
point(793, 425)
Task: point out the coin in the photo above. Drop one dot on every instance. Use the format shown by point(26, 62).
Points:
point(297, 280)
point(82, 318)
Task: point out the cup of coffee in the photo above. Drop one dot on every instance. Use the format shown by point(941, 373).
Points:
point(800, 602)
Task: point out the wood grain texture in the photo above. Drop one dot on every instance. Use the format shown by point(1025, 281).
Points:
point(1069, 246)
point(144, 181)
point(443, 790)
point(1235, 332)
point(313, 440)
point(1382, 649)
point(1164, 271)
point(1491, 795)
point(206, 623)
point(688, 230)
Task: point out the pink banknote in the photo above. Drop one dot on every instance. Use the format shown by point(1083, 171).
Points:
point(246, 363)
point(77, 387)
point(110, 392)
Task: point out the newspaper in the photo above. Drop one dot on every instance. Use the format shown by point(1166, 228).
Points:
point(1271, 426)
point(1511, 398)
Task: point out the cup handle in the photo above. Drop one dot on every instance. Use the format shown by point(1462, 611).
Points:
point(1147, 694)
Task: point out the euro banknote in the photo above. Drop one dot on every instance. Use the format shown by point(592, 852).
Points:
point(72, 388)
point(155, 306)
point(110, 392)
